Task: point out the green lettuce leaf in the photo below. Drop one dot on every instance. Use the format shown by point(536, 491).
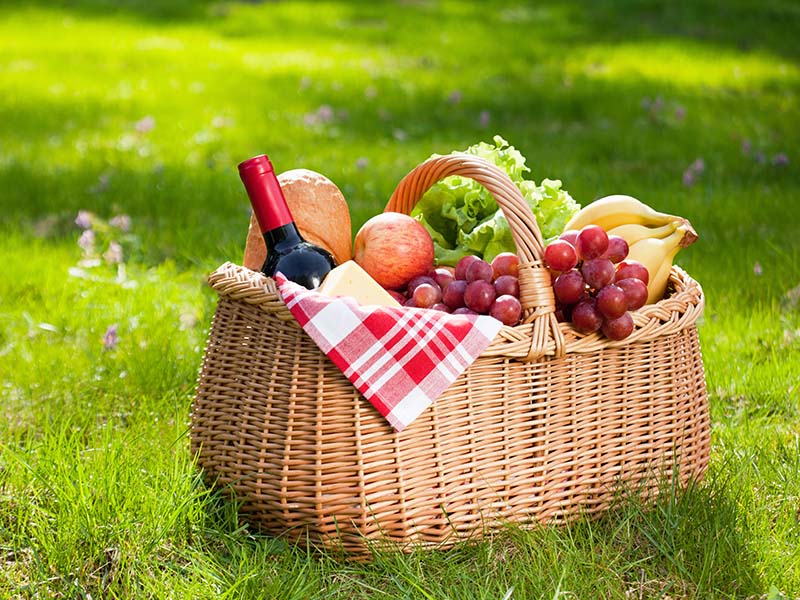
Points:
point(556, 206)
point(463, 218)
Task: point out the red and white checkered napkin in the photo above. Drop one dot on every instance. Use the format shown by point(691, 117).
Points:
point(400, 359)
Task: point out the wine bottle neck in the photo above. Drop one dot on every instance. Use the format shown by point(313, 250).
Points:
point(284, 236)
point(264, 191)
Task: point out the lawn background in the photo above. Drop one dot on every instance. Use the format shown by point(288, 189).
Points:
point(144, 108)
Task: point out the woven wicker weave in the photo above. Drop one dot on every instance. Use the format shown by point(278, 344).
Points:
point(544, 425)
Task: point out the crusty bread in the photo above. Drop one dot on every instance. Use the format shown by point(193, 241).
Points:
point(320, 212)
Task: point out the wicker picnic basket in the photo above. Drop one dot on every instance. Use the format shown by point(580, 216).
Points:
point(546, 424)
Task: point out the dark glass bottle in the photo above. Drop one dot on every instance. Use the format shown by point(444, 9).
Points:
point(298, 260)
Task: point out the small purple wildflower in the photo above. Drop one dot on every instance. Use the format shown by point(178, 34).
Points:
point(102, 184)
point(484, 118)
point(110, 337)
point(757, 269)
point(145, 124)
point(455, 97)
point(693, 171)
point(362, 163)
point(84, 219)
point(400, 135)
point(121, 222)
point(113, 255)
point(761, 158)
point(680, 113)
point(780, 160)
point(325, 113)
point(86, 241)
point(658, 105)
point(747, 146)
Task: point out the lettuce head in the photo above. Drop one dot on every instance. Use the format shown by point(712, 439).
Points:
point(463, 218)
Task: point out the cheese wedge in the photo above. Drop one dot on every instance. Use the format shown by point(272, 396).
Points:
point(349, 279)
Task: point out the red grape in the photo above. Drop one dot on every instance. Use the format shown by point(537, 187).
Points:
point(453, 294)
point(564, 312)
point(560, 255)
point(619, 328)
point(463, 310)
point(426, 295)
point(635, 292)
point(571, 236)
point(397, 296)
point(612, 302)
point(598, 272)
point(632, 268)
point(441, 306)
point(569, 287)
point(586, 317)
point(443, 276)
point(507, 284)
point(506, 309)
point(505, 263)
point(462, 265)
point(617, 249)
point(448, 268)
point(591, 242)
point(412, 285)
point(480, 270)
point(479, 296)
point(410, 303)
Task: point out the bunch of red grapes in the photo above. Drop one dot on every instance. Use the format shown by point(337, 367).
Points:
point(473, 287)
point(595, 287)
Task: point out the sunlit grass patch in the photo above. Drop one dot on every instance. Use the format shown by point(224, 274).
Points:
point(684, 65)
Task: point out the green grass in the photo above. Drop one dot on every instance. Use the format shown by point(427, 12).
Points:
point(99, 496)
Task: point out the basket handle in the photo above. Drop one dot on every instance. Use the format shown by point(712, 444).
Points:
point(535, 288)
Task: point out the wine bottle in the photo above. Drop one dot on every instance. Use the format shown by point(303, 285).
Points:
point(298, 260)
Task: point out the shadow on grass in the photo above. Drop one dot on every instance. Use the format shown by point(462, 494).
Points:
point(741, 25)
point(562, 123)
point(159, 10)
point(693, 542)
point(701, 535)
point(199, 208)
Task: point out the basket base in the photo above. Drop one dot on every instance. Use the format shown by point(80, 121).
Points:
point(509, 441)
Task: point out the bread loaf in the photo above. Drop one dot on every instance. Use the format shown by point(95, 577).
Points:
point(320, 212)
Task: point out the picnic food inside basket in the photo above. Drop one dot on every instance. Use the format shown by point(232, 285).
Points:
point(545, 424)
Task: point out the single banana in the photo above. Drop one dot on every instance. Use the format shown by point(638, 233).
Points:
point(614, 211)
point(657, 254)
point(634, 232)
point(661, 279)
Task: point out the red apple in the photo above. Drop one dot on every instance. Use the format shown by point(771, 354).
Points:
point(393, 248)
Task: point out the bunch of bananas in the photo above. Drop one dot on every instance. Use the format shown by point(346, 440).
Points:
point(654, 238)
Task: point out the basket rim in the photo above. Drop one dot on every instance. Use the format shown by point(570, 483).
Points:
point(679, 310)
